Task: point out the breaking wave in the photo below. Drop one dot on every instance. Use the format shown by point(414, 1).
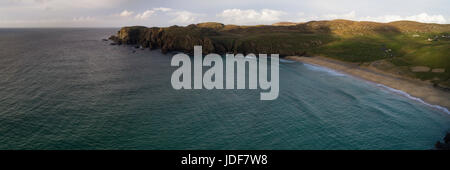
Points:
point(414, 98)
point(323, 69)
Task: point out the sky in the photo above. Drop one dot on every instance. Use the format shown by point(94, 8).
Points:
point(118, 13)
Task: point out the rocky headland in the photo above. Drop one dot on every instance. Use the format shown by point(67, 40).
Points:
point(402, 48)
point(445, 145)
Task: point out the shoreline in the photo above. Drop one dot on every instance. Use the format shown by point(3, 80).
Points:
point(418, 90)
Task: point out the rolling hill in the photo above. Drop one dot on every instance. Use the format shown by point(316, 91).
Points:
point(414, 49)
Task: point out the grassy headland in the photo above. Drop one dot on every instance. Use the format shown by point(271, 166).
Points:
point(407, 48)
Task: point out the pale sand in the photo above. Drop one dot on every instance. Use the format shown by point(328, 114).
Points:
point(416, 88)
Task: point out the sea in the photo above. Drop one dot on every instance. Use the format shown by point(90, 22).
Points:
point(66, 88)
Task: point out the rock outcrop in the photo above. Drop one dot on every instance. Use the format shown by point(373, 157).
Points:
point(213, 37)
point(345, 40)
point(444, 145)
point(173, 38)
point(284, 38)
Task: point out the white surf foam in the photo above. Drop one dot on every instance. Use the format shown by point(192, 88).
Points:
point(336, 73)
point(414, 98)
point(286, 61)
point(323, 69)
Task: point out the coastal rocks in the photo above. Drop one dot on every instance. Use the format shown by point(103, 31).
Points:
point(285, 39)
point(131, 35)
point(115, 40)
point(444, 146)
point(212, 37)
point(173, 38)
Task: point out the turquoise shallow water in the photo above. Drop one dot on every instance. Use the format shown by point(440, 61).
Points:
point(67, 89)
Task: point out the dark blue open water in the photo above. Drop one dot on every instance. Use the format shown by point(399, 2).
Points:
point(67, 89)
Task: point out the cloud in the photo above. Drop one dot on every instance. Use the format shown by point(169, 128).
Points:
point(178, 16)
point(145, 15)
point(184, 17)
point(126, 13)
point(349, 16)
point(250, 16)
point(33, 13)
point(148, 13)
point(65, 4)
point(162, 9)
point(422, 17)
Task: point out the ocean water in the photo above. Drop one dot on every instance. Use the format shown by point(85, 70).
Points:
point(68, 89)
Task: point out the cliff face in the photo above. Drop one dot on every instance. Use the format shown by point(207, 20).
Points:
point(213, 37)
point(403, 43)
point(167, 39)
point(335, 38)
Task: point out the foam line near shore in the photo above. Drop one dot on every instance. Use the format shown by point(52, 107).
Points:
point(324, 69)
point(407, 95)
point(315, 66)
point(402, 93)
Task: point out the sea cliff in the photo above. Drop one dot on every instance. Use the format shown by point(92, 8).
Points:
point(167, 39)
point(398, 47)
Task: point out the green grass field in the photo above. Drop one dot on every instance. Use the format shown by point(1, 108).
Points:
point(404, 44)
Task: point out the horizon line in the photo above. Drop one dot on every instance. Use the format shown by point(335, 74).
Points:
point(62, 27)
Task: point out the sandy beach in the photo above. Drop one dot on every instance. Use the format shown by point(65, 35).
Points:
point(416, 88)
